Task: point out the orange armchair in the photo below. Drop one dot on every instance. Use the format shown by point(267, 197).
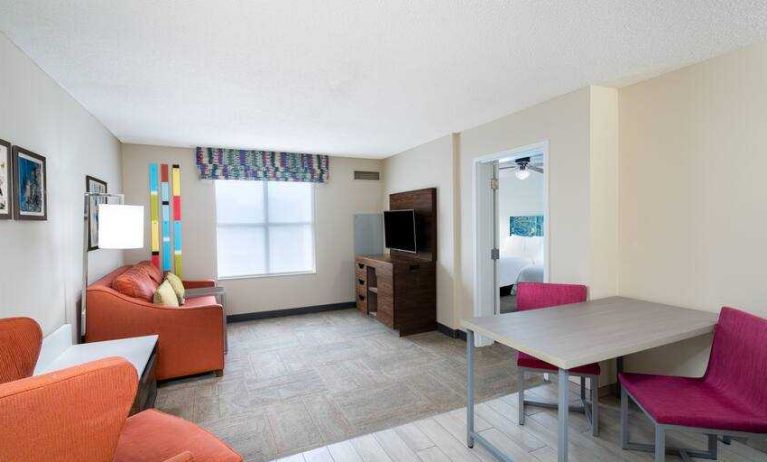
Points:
point(191, 337)
point(79, 414)
point(20, 342)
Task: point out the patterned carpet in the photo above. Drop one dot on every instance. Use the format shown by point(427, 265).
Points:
point(301, 382)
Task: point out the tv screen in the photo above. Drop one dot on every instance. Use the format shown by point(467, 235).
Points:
point(399, 230)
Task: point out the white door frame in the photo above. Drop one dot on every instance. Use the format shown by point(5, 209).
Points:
point(483, 264)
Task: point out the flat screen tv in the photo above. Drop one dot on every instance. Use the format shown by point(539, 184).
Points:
point(399, 230)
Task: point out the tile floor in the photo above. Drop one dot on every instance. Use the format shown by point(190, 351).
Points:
point(442, 438)
point(300, 382)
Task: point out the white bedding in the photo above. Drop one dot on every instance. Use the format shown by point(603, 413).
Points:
point(509, 268)
point(520, 256)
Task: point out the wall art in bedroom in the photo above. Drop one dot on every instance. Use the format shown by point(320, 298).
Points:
point(527, 226)
point(30, 185)
point(6, 181)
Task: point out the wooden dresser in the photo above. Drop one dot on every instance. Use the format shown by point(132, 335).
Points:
point(400, 289)
point(400, 292)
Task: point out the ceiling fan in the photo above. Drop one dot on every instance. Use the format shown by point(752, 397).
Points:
point(523, 166)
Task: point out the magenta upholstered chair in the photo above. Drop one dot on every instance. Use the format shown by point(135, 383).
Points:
point(729, 400)
point(533, 296)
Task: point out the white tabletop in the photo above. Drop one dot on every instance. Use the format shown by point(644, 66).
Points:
point(135, 350)
point(597, 330)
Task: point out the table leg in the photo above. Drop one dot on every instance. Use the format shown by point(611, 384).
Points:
point(563, 411)
point(619, 369)
point(226, 322)
point(470, 388)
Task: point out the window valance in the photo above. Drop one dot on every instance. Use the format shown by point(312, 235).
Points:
point(241, 164)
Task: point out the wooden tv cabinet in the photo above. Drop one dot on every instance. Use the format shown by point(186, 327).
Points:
point(400, 292)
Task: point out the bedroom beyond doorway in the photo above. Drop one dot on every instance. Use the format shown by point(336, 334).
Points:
point(521, 209)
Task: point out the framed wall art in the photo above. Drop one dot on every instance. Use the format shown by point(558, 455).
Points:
point(94, 185)
point(6, 181)
point(29, 185)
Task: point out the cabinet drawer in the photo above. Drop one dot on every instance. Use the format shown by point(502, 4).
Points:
point(360, 283)
point(362, 302)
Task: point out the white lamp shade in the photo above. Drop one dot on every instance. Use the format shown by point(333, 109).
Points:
point(121, 226)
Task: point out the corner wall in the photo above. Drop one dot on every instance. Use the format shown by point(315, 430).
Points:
point(336, 203)
point(564, 123)
point(693, 202)
point(42, 260)
point(426, 166)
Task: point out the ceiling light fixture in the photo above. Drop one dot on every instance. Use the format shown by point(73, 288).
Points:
point(522, 173)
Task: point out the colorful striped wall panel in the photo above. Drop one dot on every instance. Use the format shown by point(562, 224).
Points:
point(154, 213)
point(177, 257)
point(165, 215)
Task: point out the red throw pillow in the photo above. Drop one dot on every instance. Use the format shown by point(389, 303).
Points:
point(151, 270)
point(135, 282)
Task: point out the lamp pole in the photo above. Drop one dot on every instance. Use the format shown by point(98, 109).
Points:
point(87, 211)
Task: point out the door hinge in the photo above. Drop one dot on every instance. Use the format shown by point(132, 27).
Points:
point(495, 254)
point(494, 184)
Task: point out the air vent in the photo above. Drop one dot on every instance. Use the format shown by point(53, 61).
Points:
point(360, 175)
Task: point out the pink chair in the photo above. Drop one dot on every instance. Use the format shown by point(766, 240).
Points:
point(730, 399)
point(533, 296)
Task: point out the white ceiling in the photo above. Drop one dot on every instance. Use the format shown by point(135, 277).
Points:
point(366, 78)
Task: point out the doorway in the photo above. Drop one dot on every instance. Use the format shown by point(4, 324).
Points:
point(521, 209)
point(511, 225)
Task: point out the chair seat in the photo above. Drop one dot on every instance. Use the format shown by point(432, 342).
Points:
point(691, 402)
point(525, 360)
point(152, 436)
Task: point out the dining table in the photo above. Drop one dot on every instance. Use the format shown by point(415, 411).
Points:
point(574, 335)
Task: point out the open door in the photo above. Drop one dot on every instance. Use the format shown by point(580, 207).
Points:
point(486, 297)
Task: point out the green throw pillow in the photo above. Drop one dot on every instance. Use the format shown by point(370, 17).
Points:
point(165, 295)
point(178, 286)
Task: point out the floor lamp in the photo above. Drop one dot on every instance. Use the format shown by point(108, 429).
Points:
point(120, 227)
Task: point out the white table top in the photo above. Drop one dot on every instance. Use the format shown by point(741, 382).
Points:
point(136, 350)
point(597, 330)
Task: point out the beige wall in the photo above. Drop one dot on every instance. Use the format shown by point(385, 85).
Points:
point(198, 205)
point(565, 123)
point(42, 261)
point(693, 195)
point(430, 166)
point(581, 130)
point(336, 204)
point(603, 192)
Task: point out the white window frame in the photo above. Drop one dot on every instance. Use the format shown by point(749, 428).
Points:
point(266, 225)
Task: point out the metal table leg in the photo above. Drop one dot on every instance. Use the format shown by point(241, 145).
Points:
point(564, 410)
point(619, 369)
point(471, 436)
point(470, 388)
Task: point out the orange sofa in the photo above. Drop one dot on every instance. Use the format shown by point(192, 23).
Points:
point(191, 337)
point(79, 413)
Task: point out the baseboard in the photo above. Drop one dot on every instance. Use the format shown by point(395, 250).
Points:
point(289, 312)
point(452, 333)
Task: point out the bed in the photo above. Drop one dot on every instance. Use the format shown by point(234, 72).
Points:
point(521, 260)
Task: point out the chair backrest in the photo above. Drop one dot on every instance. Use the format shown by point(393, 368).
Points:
point(20, 341)
point(738, 362)
point(534, 295)
point(71, 415)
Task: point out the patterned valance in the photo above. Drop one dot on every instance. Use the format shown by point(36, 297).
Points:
point(241, 164)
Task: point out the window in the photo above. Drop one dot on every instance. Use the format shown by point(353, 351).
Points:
point(264, 228)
